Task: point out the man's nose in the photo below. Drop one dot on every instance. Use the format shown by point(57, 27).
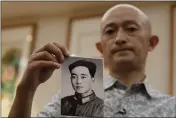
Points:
point(120, 37)
point(79, 81)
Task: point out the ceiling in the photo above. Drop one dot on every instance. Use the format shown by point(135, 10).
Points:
point(32, 9)
point(19, 9)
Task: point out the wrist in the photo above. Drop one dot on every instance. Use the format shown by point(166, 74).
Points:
point(22, 89)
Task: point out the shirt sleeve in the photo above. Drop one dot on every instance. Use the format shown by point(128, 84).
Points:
point(52, 109)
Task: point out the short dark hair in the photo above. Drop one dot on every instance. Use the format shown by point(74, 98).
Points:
point(90, 65)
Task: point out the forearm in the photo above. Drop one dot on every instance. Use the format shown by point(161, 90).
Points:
point(22, 104)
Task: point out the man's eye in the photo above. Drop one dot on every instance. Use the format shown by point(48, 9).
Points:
point(73, 76)
point(109, 31)
point(131, 29)
point(83, 77)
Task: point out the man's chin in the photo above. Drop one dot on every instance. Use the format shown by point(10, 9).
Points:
point(80, 92)
point(123, 59)
point(122, 64)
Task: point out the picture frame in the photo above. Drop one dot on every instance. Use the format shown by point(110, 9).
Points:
point(18, 42)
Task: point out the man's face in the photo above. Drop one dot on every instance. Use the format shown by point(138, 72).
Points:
point(81, 79)
point(124, 38)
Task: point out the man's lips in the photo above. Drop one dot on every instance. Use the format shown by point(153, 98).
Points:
point(78, 87)
point(122, 49)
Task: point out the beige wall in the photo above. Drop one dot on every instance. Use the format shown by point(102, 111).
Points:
point(54, 29)
point(158, 60)
point(49, 30)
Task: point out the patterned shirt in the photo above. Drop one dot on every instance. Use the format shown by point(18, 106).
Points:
point(140, 100)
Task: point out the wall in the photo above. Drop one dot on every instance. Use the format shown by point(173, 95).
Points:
point(158, 60)
point(49, 30)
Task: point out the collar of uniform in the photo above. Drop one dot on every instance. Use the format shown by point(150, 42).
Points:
point(85, 99)
point(144, 86)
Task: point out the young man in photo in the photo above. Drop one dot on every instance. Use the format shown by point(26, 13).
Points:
point(84, 102)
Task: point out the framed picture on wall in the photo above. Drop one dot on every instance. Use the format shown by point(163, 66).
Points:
point(17, 44)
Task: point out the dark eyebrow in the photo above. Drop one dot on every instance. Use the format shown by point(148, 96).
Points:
point(76, 74)
point(125, 23)
point(84, 74)
point(111, 24)
point(73, 74)
point(130, 22)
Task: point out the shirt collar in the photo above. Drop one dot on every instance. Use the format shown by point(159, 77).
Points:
point(108, 81)
point(144, 86)
point(83, 100)
point(148, 88)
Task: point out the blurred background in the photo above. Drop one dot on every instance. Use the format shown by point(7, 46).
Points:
point(30, 25)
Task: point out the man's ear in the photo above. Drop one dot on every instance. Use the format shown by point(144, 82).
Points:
point(98, 46)
point(153, 42)
point(93, 79)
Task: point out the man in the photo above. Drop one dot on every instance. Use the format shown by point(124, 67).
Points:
point(126, 39)
point(84, 102)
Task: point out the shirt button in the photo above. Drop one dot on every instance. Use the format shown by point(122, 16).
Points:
point(121, 91)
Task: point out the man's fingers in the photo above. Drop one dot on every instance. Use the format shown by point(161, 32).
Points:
point(44, 64)
point(62, 48)
point(42, 56)
point(51, 48)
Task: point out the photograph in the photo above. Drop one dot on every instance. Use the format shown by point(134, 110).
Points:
point(82, 91)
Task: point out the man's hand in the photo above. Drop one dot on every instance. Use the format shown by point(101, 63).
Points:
point(42, 64)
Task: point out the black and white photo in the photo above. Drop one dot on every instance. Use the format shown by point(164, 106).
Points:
point(82, 87)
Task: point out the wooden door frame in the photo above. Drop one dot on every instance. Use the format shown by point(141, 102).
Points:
point(172, 49)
